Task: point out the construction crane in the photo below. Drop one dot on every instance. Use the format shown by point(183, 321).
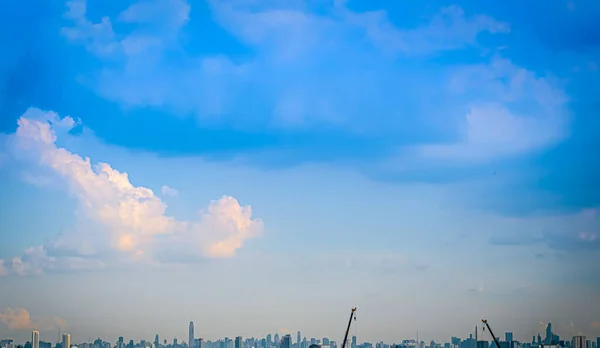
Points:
point(491, 332)
point(348, 328)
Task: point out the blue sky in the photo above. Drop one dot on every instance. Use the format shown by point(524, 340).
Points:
point(282, 161)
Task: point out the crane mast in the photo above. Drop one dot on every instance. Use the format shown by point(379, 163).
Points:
point(491, 332)
point(348, 328)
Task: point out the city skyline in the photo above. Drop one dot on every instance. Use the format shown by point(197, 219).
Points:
point(265, 165)
point(551, 338)
point(547, 337)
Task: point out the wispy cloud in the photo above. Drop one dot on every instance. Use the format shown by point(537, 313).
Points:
point(567, 232)
point(169, 191)
point(288, 40)
point(477, 289)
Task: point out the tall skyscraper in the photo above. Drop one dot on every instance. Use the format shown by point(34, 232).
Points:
point(578, 342)
point(191, 338)
point(238, 342)
point(286, 341)
point(299, 339)
point(548, 339)
point(35, 339)
point(66, 341)
point(509, 337)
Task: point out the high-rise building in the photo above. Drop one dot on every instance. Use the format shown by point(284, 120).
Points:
point(578, 342)
point(66, 341)
point(191, 338)
point(509, 337)
point(548, 339)
point(35, 339)
point(238, 342)
point(300, 339)
point(286, 341)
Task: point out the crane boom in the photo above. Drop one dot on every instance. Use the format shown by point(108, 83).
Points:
point(348, 328)
point(491, 332)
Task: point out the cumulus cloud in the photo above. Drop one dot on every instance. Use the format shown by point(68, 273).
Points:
point(20, 319)
point(131, 219)
point(169, 191)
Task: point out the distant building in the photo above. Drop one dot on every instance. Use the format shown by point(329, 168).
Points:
point(286, 341)
point(35, 339)
point(578, 342)
point(66, 341)
point(191, 335)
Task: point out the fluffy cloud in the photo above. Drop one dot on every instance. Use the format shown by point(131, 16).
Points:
point(131, 218)
point(20, 319)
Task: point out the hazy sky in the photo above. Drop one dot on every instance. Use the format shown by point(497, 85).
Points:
point(263, 166)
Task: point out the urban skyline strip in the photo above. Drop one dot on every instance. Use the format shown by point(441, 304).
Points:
point(550, 340)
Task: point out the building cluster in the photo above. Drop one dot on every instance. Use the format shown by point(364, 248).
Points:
point(551, 340)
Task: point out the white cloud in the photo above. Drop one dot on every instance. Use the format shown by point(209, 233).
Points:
point(170, 14)
point(99, 38)
point(289, 40)
point(451, 28)
point(36, 260)
point(169, 191)
point(514, 112)
point(132, 218)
